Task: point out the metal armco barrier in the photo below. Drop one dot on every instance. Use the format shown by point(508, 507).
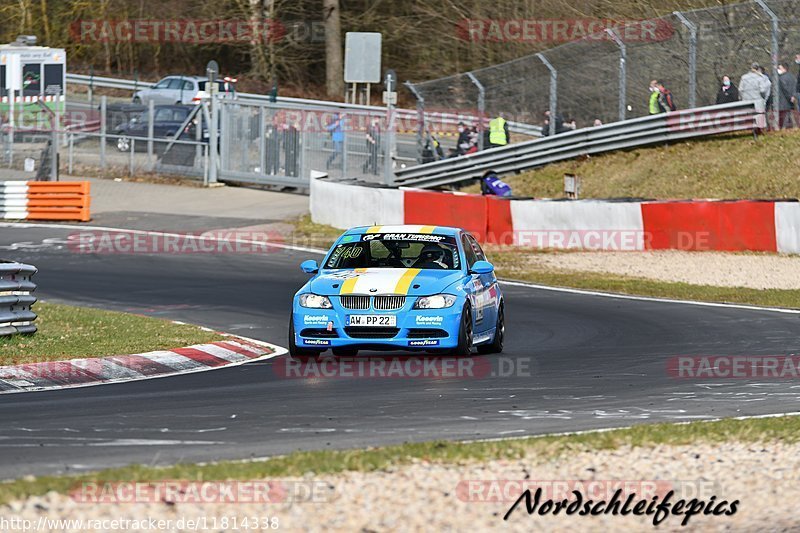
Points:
point(16, 299)
point(45, 200)
point(654, 129)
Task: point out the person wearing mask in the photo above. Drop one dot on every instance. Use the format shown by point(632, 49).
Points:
point(786, 98)
point(559, 120)
point(498, 132)
point(728, 92)
point(462, 143)
point(753, 86)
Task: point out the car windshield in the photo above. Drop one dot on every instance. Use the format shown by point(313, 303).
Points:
point(220, 86)
point(395, 250)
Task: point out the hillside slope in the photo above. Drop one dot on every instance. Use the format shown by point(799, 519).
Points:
point(735, 166)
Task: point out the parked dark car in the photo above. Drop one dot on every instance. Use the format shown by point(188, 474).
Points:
point(167, 121)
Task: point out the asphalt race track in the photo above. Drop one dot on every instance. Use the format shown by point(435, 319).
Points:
point(576, 361)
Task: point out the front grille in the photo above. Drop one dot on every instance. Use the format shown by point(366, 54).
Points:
point(354, 302)
point(387, 303)
point(318, 333)
point(422, 333)
point(371, 333)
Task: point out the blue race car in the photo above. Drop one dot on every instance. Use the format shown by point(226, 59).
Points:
point(415, 288)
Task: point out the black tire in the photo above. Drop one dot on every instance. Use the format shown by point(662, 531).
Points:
point(496, 346)
point(464, 334)
point(296, 351)
point(345, 352)
point(123, 144)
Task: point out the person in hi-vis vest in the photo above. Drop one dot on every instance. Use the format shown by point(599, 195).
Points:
point(498, 132)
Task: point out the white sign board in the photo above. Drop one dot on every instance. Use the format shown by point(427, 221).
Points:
point(362, 57)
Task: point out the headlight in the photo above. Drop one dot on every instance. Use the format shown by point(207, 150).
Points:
point(437, 301)
point(315, 300)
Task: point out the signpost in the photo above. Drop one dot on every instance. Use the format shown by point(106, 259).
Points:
point(212, 72)
point(362, 62)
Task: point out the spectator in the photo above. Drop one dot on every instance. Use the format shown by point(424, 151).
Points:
point(462, 143)
point(498, 132)
point(728, 92)
point(754, 86)
point(786, 98)
point(668, 102)
point(336, 129)
point(655, 102)
point(559, 120)
point(597, 122)
point(570, 124)
point(768, 103)
point(474, 135)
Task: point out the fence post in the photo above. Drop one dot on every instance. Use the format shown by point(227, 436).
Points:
point(692, 57)
point(388, 151)
point(481, 107)
point(623, 78)
point(553, 92)
point(775, 79)
point(151, 114)
point(213, 139)
point(103, 127)
point(420, 119)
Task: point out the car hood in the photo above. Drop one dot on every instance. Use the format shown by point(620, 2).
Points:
point(373, 281)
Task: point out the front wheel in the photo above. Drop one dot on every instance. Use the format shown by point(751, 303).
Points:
point(296, 351)
point(496, 346)
point(464, 334)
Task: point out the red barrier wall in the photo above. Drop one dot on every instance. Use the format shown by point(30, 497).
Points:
point(466, 211)
point(724, 226)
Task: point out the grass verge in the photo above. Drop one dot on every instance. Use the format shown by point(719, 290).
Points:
point(537, 449)
point(68, 332)
point(726, 166)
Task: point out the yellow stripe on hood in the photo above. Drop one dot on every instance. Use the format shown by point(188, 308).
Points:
point(350, 283)
point(405, 281)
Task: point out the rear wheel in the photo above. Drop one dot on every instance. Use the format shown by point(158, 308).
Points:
point(496, 346)
point(123, 144)
point(296, 351)
point(464, 334)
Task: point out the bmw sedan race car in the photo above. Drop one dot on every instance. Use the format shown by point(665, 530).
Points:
point(415, 288)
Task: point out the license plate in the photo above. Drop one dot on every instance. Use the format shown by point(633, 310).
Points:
point(388, 321)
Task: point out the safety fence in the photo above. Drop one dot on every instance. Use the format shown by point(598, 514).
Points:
point(763, 226)
point(661, 128)
point(45, 200)
point(16, 298)
point(606, 74)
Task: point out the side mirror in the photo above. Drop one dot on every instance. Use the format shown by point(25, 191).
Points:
point(482, 267)
point(309, 266)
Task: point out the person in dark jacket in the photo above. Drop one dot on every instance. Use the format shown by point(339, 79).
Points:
point(786, 98)
point(666, 94)
point(728, 92)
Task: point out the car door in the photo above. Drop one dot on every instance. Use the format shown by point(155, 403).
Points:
point(485, 286)
point(159, 93)
point(187, 91)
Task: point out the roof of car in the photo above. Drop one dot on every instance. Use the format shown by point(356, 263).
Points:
point(404, 228)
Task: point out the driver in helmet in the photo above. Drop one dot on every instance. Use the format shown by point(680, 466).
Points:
point(432, 256)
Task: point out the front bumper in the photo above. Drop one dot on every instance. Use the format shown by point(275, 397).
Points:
point(416, 329)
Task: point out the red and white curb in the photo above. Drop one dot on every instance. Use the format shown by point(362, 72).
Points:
point(118, 369)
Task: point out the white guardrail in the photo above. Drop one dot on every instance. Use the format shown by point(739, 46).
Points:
point(654, 129)
point(16, 298)
point(133, 85)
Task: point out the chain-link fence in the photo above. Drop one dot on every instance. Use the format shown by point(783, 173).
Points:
point(605, 76)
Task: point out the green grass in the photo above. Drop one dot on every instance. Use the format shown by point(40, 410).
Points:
point(307, 233)
point(67, 332)
point(513, 265)
point(534, 449)
point(726, 167)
